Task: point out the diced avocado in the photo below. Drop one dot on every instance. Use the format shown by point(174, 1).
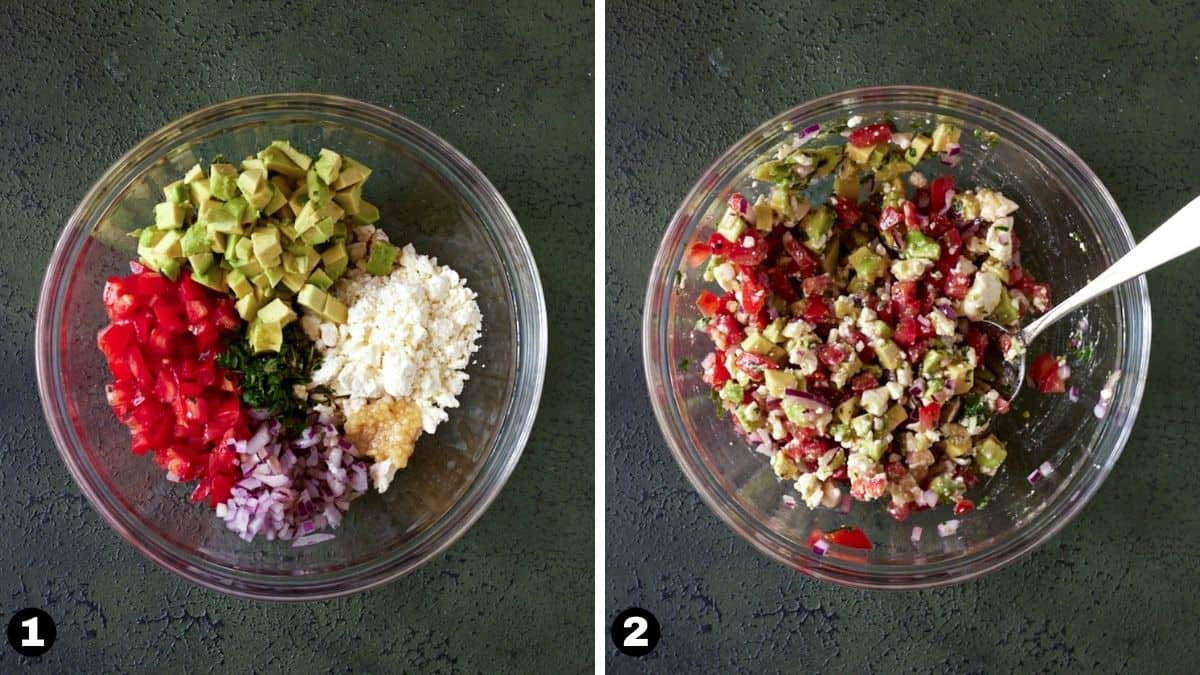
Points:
point(731, 226)
point(947, 487)
point(319, 279)
point(278, 200)
point(239, 284)
point(267, 246)
point(894, 417)
point(169, 215)
point(891, 169)
point(242, 249)
point(213, 277)
point(920, 245)
point(319, 193)
point(732, 392)
point(281, 184)
point(878, 155)
point(846, 409)
point(859, 155)
point(195, 240)
point(966, 205)
point(312, 214)
point(201, 262)
point(222, 181)
point(298, 158)
point(351, 173)
point(350, 199)
point(328, 165)
point(381, 258)
point(294, 281)
point(177, 192)
point(774, 331)
point(298, 199)
point(335, 260)
point(194, 174)
point(867, 264)
point(274, 274)
point(749, 416)
point(253, 164)
point(945, 135)
point(779, 381)
point(873, 448)
point(247, 306)
point(368, 214)
point(340, 229)
point(989, 455)
point(889, 354)
point(217, 242)
point(199, 190)
point(253, 269)
point(291, 263)
point(825, 158)
point(169, 245)
point(222, 220)
point(917, 148)
point(956, 445)
point(277, 311)
point(845, 183)
point(263, 336)
point(311, 260)
point(312, 297)
point(170, 268)
point(963, 375)
point(277, 160)
point(237, 207)
point(932, 363)
point(757, 344)
point(1005, 312)
point(816, 226)
point(764, 215)
point(893, 198)
point(334, 310)
point(254, 187)
point(829, 261)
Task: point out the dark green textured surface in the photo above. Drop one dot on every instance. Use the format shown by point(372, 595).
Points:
point(1116, 590)
point(509, 84)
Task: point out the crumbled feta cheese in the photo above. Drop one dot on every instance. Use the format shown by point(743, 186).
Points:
point(942, 324)
point(917, 180)
point(811, 490)
point(875, 401)
point(983, 296)
point(993, 205)
point(725, 276)
point(911, 269)
point(999, 240)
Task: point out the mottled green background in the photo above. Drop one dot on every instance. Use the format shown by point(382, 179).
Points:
point(510, 84)
point(1117, 589)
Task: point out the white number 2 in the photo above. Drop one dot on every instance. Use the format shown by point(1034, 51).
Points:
point(33, 640)
point(634, 639)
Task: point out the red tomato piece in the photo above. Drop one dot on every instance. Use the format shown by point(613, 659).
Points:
point(753, 294)
point(698, 254)
point(813, 286)
point(720, 374)
point(818, 312)
point(963, 506)
point(848, 213)
point(941, 193)
point(928, 416)
point(906, 331)
point(830, 356)
point(750, 249)
point(1045, 374)
point(754, 365)
point(863, 382)
point(708, 303)
point(870, 135)
point(806, 261)
point(850, 537)
point(890, 218)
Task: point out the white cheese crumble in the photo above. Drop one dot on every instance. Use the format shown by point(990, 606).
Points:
point(408, 335)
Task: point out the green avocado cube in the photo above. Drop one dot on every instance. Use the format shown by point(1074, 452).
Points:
point(340, 229)
point(351, 173)
point(247, 306)
point(889, 354)
point(267, 246)
point(200, 191)
point(299, 198)
point(368, 214)
point(328, 165)
point(243, 249)
point(206, 207)
point(194, 174)
point(278, 201)
point(859, 155)
point(917, 148)
point(222, 181)
point(277, 311)
point(201, 262)
point(239, 284)
point(238, 208)
point(278, 161)
point(989, 455)
point(319, 233)
point(867, 264)
point(334, 310)
point(779, 381)
point(318, 190)
point(335, 260)
point(292, 264)
point(1005, 312)
point(253, 163)
point(381, 258)
point(731, 226)
point(169, 245)
point(254, 187)
point(319, 279)
point(170, 268)
point(222, 220)
point(177, 192)
point(816, 226)
point(260, 281)
point(264, 336)
point(195, 240)
point(312, 296)
point(945, 135)
point(298, 158)
point(213, 277)
point(274, 274)
point(294, 281)
point(350, 199)
point(282, 184)
point(920, 245)
point(169, 215)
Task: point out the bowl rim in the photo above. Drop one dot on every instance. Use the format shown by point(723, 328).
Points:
point(530, 344)
point(657, 371)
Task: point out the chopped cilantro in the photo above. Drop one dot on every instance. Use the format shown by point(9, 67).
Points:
point(268, 378)
point(990, 138)
point(684, 363)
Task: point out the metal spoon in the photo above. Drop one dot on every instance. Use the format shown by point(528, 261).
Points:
point(1180, 234)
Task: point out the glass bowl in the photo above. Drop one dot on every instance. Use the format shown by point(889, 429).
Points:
point(1070, 230)
point(430, 195)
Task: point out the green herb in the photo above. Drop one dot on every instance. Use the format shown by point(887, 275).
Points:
point(1084, 353)
point(923, 127)
point(973, 407)
point(678, 279)
point(683, 364)
point(715, 396)
point(268, 378)
point(990, 138)
point(834, 126)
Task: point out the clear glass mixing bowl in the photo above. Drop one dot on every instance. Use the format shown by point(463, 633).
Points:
point(430, 195)
point(1070, 230)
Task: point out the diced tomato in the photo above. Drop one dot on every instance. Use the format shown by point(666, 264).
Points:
point(1038, 294)
point(1001, 406)
point(904, 299)
point(115, 340)
point(1045, 375)
point(955, 285)
point(850, 537)
point(830, 356)
point(963, 506)
point(708, 303)
point(951, 243)
point(753, 293)
point(899, 511)
point(781, 284)
point(938, 225)
point(848, 213)
point(725, 331)
point(720, 374)
point(941, 192)
point(863, 382)
point(150, 283)
point(119, 298)
point(870, 135)
point(895, 470)
point(817, 311)
point(122, 396)
point(750, 249)
point(754, 365)
point(968, 476)
point(807, 261)
point(698, 254)
point(905, 333)
point(814, 286)
point(912, 217)
point(739, 204)
point(929, 415)
point(890, 218)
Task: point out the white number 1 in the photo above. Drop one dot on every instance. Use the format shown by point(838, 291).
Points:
point(33, 640)
point(635, 638)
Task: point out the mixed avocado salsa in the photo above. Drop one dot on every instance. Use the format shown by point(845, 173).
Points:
point(847, 342)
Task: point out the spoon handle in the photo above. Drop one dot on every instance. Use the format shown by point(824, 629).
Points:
point(1179, 235)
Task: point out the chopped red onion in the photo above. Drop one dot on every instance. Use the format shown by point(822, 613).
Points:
point(916, 534)
point(845, 504)
point(789, 501)
point(950, 156)
point(808, 400)
point(310, 539)
point(820, 546)
point(1046, 468)
point(1064, 371)
point(948, 528)
point(1073, 393)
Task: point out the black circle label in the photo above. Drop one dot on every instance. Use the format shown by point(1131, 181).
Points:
point(31, 632)
point(635, 632)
